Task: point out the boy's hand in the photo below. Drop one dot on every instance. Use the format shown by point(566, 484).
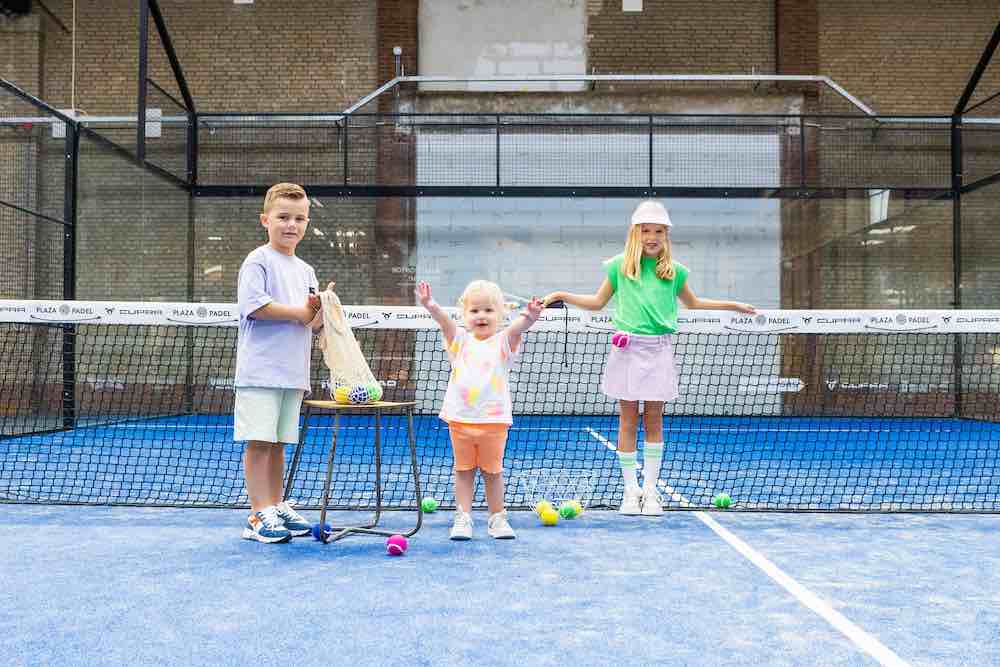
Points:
point(314, 302)
point(307, 312)
point(423, 293)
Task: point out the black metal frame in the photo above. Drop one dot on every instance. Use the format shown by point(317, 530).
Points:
point(191, 184)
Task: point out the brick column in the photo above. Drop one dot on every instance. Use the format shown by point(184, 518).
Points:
point(395, 218)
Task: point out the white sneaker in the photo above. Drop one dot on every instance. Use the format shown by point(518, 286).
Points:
point(461, 529)
point(630, 501)
point(499, 527)
point(651, 503)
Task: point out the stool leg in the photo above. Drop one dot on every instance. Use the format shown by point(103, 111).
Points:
point(329, 476)
point(293, 468)
point(378, 467)
point(416, 472)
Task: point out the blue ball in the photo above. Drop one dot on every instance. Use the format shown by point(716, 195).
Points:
point(359, 394)
point(326, 528)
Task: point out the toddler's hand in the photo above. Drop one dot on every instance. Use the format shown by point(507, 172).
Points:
point(423, 293)
point(534, 308)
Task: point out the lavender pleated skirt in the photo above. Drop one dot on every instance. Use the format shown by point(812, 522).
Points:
point(643, 370)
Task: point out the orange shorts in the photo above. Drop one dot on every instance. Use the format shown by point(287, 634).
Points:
point(478, 446)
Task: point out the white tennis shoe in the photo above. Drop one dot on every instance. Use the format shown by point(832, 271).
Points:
point(499, 527)
point(461, 529)
point(630, 505)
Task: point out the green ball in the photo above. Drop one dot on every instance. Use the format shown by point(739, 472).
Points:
point(429, 504)
point(375, 392)
point(567, 511)
point(722, 501)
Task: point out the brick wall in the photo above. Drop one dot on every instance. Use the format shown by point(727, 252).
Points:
point(682, 36)
point(300, 56)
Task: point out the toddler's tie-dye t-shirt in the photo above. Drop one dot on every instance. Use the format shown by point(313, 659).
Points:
point(478, 389)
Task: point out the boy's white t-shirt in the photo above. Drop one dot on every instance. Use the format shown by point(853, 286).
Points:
point(273, 353)
point(479, 386)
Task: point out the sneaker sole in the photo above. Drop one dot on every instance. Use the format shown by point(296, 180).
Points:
point(256, 537)
point(460, 538)
point(502, 537)
point(645, 513)
point(301, 532)
point(630, 512)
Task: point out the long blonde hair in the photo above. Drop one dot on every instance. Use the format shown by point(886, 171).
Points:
point(633, 256)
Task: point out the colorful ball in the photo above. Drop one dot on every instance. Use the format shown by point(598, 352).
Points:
point(578, 506)
point(341, 394)
point(374, 392)
point(549, 517)
point(541, 506)
point(429, 504)
point(396, 545)
point(358, 394)
point(567, 511)
point(326, 530)
point(722, 500)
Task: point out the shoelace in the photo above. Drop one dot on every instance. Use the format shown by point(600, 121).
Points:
point(285, 510)
point(269, 515)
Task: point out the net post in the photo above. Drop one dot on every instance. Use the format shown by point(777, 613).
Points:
point(70, 182)
point(957, 177)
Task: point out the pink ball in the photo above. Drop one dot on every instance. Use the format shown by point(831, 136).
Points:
point(619, 339)
point(396, 545)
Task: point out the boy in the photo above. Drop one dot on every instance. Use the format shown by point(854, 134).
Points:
point(278, 314)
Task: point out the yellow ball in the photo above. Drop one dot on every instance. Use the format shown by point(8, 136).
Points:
point(541, 506)
point(578, 506)
point(550, 517)
point(342, 394)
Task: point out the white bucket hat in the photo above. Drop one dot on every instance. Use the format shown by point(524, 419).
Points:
point(651, 212)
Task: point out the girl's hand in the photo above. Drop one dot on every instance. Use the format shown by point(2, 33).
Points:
point(554, 296)
point(423, 293)
point(744, 308)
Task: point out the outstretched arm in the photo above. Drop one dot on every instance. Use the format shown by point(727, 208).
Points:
point(523, 322)
point(586, 301)
point(278, 311)
point(688, 298)
point(447, 325)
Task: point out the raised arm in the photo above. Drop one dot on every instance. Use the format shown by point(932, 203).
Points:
point(586, 301)
point(523, 322)
point(447, 325)
point(692, 302)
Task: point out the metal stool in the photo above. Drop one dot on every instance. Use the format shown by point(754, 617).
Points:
point(371, 528)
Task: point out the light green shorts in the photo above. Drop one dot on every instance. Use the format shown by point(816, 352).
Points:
point(268, 414)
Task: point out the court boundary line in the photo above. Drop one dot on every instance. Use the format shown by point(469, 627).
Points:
point(855, 633)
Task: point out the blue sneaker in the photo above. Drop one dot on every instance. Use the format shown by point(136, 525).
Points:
point(294, 522)
point(266, 526)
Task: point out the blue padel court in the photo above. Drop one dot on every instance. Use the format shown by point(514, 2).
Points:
point(761, 462)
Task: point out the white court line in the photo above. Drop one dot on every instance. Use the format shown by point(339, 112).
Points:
point(864, 641)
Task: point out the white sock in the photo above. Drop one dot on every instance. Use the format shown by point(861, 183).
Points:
point(627, 461)
point(652, 456)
